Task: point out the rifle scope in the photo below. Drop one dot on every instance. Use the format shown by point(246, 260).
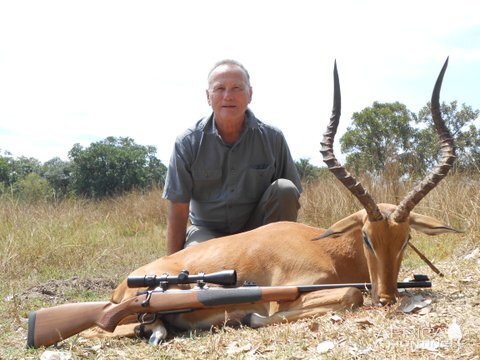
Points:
point(225, 277)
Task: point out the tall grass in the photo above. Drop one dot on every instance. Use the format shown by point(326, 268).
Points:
point(110, 238)
point(44, 240)
point(455, 201)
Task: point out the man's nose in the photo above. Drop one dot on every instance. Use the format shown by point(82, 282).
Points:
point(228, 94)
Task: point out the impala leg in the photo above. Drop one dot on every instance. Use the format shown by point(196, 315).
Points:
point(156, 332)
point(308, 305)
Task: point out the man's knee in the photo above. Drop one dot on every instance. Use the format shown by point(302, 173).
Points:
point(280, 202)
point(287, 200)
point(198, 234)
point(287, 191)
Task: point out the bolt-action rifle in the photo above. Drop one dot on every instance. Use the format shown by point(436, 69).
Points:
point(48, 326)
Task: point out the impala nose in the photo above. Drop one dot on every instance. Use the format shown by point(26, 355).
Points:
point(387, 300)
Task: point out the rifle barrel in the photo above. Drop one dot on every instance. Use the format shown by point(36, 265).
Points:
point(364, 286)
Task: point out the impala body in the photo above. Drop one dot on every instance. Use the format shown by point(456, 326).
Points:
point(366, 246)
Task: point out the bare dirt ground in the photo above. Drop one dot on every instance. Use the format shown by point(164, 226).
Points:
point(55, 292)
point(438, 323)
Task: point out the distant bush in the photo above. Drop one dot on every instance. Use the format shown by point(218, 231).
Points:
point(33, 187)
point(114, 166)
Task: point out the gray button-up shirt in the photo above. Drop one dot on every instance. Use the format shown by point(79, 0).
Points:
point(224, 183)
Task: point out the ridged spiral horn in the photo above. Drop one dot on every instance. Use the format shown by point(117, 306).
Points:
point(334, 165)
point(447, 157)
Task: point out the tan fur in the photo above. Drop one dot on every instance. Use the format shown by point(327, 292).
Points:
point(285, 253)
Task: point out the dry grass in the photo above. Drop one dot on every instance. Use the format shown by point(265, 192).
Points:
point(106, 240)
point(41, 241)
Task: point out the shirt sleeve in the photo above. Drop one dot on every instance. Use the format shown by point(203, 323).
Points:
point(286, 167)
point(179, 183)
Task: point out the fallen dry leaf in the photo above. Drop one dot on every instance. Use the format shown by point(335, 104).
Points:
point(234, 348)
point(325, 346)
point(336, 319)
point(436, 328)
point(56, 355)
point(413, 303)
point(363, 323)
point(454, 331)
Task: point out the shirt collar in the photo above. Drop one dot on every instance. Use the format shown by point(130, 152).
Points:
point(208, 125)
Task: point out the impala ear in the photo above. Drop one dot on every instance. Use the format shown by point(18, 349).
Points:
point(429, 225)
point(345, 225)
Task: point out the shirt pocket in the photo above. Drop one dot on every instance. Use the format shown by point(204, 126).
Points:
point(257, 181)
point(207, 185)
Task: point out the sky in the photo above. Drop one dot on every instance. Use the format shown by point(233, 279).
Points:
point(80, 71)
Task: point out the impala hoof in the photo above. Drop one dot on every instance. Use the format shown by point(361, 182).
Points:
point(158, 335)
point(155, 334)
point(254, 320)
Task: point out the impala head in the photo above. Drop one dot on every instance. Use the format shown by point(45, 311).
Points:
point(386, 228)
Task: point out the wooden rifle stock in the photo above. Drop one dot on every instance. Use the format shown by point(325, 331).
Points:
point(48, 326)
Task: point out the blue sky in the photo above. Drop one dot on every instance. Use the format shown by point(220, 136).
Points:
point(79, 71)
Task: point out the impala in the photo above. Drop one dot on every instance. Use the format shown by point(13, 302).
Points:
point(366, 246)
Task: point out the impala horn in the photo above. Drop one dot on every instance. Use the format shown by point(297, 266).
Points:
point(444, 165)
point(335, 167)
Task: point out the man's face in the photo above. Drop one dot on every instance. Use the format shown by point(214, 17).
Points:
point(229, 93)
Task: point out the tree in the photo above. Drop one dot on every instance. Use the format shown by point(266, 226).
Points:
point(380, 138)
point(58, 174)
point(5, 168)
point(33, 187)
point(13, 170)
point(22, 166)
point(305, 170)
point(309, 172)
point(460, 122)
point(113, 166)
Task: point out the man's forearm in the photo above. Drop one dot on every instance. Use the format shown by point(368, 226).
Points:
point(175, 241)
point(176, 227)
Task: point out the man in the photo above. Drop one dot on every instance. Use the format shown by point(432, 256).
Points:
point(230, 172)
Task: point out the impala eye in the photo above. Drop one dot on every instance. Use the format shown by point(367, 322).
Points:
point(366, 241)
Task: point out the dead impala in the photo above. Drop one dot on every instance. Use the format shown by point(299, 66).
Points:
point(366, 246)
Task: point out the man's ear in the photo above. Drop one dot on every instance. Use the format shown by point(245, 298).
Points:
point(208, 97)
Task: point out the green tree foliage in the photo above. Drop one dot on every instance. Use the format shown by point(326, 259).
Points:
point(460, 122)
point(23, 166)
point(309, 172)
point(380, 136)
point(305, 169)
point(5, 165)
point(58, 173)
point(13, 170)
point(33, 187)
point(113, 166)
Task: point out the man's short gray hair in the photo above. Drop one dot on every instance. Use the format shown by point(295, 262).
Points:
point(232, 63)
